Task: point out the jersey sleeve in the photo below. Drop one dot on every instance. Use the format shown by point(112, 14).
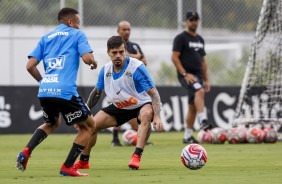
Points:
point(37, 52)
point(100, 82)
point(83, 44)
point(142, 79)
point(178, 43)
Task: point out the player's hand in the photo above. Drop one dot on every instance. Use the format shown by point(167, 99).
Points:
point(207, 86)
point(138, 55)
point(190, 78)
point(158, 125)
point(93, 65)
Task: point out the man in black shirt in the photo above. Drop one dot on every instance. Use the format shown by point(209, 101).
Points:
point(134, 51)
point(188, 57)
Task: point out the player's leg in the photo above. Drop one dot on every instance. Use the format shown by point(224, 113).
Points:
point(76, 112)
point(86, 130)
point(102, 121)
point(143, 134)
point(190, 119)
point(134, 124)
point(199, 104)
point(52, 121)
point(116, 141)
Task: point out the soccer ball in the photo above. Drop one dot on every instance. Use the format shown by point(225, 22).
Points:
point(270, 135)
point(219, 135)
point(129, 138)
point(194, 156)
point(255, 135)
point(236, 135)
point(205, 136)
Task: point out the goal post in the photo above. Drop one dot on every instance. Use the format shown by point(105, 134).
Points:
point(260, 99)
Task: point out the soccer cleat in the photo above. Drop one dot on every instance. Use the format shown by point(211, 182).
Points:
point(205, 125)
point(134, 162)
point(22, 159)
point(149, 143)
point(71, 171)
point(81, 164)
point(116, 142)
point(190, 140)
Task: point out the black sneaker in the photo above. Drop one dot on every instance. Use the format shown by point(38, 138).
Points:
point(116, 142)
point(205, 125)
point(190, 140)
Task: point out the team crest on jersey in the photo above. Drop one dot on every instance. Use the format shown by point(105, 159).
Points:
point(108, 74)
point(128, 74)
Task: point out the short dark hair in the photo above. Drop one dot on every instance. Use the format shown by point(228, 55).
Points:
point(115, 42)
point(65, 12)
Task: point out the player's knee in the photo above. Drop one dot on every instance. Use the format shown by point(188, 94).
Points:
point(147, 115)
point(51, 126)
point(200, 93)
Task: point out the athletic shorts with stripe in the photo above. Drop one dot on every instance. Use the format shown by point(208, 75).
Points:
point(73, 111)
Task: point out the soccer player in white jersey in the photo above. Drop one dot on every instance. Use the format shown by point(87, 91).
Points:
point(132, 93)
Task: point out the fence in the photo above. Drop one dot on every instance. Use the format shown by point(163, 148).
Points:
point(227, 26)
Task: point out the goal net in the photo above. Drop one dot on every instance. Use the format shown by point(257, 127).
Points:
point(260, 99)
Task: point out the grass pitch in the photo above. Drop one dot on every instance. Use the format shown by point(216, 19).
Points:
point(161, 163)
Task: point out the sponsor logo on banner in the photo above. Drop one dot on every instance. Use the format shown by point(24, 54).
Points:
point(227, 113)
point(34, 114)
point(5, 116)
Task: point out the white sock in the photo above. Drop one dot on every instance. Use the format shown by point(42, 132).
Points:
point(201, 116)
point(188, 133)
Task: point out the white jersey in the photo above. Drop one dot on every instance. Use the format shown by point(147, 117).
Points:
point(122, 92)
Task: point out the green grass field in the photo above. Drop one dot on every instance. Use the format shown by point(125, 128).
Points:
point(238, 164)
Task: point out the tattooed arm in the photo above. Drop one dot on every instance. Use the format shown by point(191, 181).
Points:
point(94, 97)
point(156, 104)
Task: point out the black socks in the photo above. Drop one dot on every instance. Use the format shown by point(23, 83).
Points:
point(73, 154)
point(37, 137)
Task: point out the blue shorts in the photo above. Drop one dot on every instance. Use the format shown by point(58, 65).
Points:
point(73, 111)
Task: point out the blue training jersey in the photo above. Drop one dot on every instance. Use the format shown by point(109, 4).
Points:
point(60, 51)
point(141, 78)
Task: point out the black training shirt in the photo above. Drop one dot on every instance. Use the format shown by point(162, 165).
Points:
point(132, 48)
point(191, 50)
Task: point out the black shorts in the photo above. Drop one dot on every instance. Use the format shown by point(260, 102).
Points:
point(123, 115)
point(190, 88)
point(73, 111)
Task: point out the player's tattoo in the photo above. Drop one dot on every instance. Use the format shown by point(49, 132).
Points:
point(93, 98)
point(156, 101)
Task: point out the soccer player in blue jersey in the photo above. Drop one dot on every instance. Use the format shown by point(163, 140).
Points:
point(60, 51)
point(132, 93)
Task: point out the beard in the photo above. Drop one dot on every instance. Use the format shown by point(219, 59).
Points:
point(117, 63)
point(193, 28)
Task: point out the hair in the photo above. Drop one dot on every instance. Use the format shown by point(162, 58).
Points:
point(115, 42)
point(66, 12)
